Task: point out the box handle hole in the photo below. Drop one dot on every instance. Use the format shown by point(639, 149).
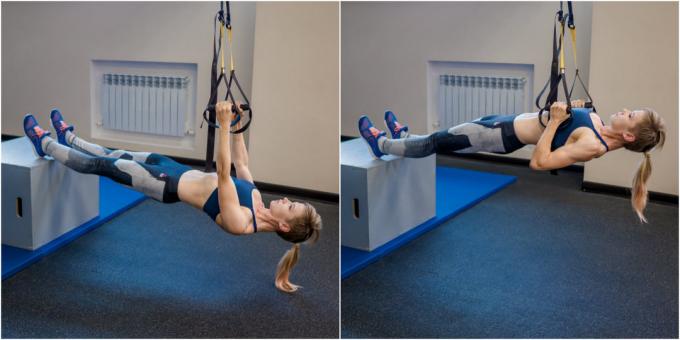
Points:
point(355, 208)
point(20, 208)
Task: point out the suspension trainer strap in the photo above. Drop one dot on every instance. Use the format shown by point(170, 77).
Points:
point(577, 74)
point(215, 79)
point(220, 42)
point(563, 66)
point(233, 80)
point(555, 74)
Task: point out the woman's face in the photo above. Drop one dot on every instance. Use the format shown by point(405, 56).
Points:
point(625, 121)
point(285, 210)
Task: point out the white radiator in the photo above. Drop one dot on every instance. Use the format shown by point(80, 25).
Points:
point(463, 98)
point(145, 104)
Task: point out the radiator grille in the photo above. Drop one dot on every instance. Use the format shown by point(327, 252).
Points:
point(144, 104)
point(463, 98)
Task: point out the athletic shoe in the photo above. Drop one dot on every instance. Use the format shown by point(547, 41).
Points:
point(60, 126)
point(393, 125)
point(371, 136)
point(35, 133)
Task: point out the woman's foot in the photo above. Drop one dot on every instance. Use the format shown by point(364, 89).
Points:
point(371, 135)
point(60, 126)
point(396, 130)
point(35, 133)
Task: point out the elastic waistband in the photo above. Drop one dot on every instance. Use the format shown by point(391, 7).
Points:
point(510, 140)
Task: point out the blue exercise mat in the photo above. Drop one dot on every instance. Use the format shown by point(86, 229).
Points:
point(457, 190)
point(114, 199)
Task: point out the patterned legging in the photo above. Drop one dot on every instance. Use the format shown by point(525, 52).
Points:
point(490, 134)
point(152, 174)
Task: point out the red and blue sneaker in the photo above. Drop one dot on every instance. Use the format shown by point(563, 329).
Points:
point(60, 126)
point(371, 135)
point(393, 125)
point(35, 133)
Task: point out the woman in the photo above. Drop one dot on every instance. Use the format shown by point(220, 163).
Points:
point(584, 137)
point(233, 203)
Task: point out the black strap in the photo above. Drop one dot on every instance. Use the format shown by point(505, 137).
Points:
point(570, 21)
point(227, 19)
point(590, 103)
point(217, 77)
point(557, 75)
point(245, 107)
point(212, 101)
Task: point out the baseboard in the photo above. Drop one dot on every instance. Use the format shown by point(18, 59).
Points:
point(8, 137)
point(294, 191)
point(262, 186)
point(616, 190)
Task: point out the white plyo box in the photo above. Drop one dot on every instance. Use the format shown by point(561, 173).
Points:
point(41, 198)
point(382, 199)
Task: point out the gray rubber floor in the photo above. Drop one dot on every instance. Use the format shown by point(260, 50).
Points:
point(167, 271)
point(539, 259)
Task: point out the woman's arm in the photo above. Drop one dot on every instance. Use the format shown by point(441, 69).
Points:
point(240, 153)
point(545, 159)
point(233, 219)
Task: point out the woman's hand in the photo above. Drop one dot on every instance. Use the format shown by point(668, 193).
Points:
point(558, 112)
point(578, 103)
point(223, 110)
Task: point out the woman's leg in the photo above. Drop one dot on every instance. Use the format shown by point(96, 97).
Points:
point(98, 150)
point(150, 180)
point(490, 134)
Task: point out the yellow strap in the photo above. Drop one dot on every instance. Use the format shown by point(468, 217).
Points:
point(573, 45)
point(231, 56)
point(221, 49)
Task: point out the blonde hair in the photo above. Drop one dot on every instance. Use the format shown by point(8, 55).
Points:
point(650, 134)
point(304, 228)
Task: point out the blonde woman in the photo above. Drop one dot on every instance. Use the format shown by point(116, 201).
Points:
point(234, 204)
point(583, 137)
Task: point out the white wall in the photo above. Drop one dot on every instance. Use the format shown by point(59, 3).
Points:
point(634, 64)
point(47, 49)
point(294, 136)
point(386, 48)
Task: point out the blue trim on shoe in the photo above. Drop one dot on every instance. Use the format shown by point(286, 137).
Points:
point(60, 126)
point(365, 126)
point(30, 123)
point(390, 124)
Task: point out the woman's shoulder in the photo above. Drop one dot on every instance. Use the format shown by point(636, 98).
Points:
point(594, 116)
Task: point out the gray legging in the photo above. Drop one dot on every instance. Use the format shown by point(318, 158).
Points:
point(490, 134)
point(152, 174)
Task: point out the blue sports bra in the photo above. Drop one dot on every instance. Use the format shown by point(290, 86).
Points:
point(579, 117)
point(244, 190)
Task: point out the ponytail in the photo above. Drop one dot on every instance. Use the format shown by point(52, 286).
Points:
point(304, 228)
point(286, 263)
point(650, 134)
point(639, 194)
